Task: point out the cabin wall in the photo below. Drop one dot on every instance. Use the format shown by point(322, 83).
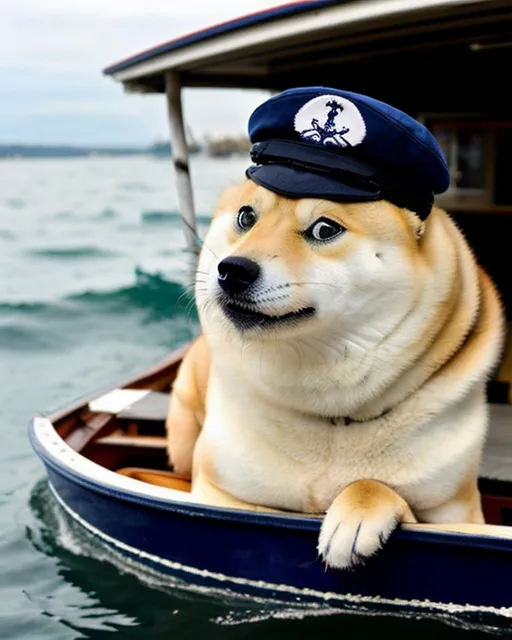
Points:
point(489, 235)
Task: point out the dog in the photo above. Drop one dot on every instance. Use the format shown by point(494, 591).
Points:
point(342, 365)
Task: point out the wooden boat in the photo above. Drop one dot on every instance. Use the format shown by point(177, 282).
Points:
point(106, 457)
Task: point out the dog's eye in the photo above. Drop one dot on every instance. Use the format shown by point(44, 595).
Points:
point(246, 218)
point(324, 229)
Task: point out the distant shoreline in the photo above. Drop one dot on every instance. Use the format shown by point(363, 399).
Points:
point(13, 151)
point(213, 147)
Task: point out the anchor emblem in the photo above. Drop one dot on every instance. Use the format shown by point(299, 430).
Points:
point(328, 134)
point(330, 121)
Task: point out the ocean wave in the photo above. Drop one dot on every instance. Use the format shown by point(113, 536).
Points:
point(15, 203)
point(71, 253)
point(106, 214)
point(136, 186)
point(64, 215)
point(26, 338)
point(5, 234)
point(170, 217)
point(151, 292)
point(27, 308)
point(97, 316)
point(159, 217)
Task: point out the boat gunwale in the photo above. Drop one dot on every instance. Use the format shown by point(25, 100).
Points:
point(170, 500)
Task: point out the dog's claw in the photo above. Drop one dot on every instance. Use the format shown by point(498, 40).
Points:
point(356, 527)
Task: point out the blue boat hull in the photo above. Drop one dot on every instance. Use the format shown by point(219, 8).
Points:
point(276, 557)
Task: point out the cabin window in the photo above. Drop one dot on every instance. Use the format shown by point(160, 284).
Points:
point(464, 152)
point(502, 164)
point(478, 150)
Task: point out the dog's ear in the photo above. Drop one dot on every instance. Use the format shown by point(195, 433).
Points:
point(414, 223)
point(420, 230)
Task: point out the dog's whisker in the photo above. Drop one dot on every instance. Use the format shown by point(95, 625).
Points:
point(183, 295)
point(198, 238)
point(321, 284)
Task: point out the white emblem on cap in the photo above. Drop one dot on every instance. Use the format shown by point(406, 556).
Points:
point(330, 120)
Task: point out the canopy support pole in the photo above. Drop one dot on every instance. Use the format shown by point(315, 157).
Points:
point(181, 166)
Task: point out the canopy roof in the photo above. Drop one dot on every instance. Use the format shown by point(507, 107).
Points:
point(397, 50)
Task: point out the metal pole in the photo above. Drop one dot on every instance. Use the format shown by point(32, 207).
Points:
point(181, 166)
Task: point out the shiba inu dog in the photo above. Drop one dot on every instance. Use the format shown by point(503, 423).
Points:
point(344, 352)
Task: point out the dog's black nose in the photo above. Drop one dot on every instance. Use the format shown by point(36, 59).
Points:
point(237, 274)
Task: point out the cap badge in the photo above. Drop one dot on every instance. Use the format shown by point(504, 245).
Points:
point(330, 120)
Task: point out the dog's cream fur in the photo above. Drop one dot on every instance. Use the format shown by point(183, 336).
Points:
point(406, 331)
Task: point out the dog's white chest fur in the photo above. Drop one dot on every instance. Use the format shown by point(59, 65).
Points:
point(265, 452)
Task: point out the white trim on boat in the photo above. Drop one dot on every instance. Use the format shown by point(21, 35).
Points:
point(292, 28)
point(56, 448)
point(281, 588)
point(116, 400)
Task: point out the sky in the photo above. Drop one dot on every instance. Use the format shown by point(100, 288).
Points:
point(52, 53)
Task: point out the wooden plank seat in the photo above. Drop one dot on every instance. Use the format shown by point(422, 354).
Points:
point(121, 439)
point(133, 404)
point(151, 407)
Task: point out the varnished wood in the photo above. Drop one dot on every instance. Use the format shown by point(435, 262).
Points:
point(167, 479)
point(143, 442)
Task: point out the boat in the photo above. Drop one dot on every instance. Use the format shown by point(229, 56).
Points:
point(106, 456)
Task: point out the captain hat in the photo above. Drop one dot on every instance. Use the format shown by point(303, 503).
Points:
point(319, 142)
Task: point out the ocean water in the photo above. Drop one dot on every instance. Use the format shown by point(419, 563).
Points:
point(92, 275)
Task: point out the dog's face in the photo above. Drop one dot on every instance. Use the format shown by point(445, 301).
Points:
point(271, 266)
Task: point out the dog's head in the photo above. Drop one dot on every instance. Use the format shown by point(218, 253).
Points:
point(277, 267)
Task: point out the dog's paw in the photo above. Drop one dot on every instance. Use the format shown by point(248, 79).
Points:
point(359, 522)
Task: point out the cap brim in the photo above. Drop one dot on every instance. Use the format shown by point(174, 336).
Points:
point(297, 183)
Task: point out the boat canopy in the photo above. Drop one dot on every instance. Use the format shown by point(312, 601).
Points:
point(422, 56)
point(382, 47)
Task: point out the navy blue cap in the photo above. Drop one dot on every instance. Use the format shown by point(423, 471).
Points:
point(319, 142)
